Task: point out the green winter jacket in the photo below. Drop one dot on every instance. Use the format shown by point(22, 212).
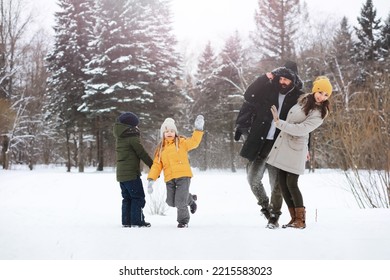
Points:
point(129, 152)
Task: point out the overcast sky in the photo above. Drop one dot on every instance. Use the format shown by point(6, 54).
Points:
point(197, 21)
point(220, 16)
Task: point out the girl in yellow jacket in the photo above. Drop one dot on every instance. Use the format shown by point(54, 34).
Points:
point(171, 156)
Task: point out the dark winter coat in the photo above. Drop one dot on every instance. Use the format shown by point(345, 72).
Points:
point(255, 115)
point(129, 152)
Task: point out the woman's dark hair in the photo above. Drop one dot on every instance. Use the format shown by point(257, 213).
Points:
point(310, 104)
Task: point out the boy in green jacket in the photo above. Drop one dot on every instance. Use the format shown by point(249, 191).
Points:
point(129, 152)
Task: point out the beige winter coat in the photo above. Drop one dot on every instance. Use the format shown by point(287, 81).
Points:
point(290, 148)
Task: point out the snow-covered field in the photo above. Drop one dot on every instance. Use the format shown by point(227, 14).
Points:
point(48, 214)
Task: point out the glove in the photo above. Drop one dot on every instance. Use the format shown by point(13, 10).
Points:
point(199, 122)
point(150, 186)
point(241, 131)
point(237, 135)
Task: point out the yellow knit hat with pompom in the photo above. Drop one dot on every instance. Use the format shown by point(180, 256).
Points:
point(323, 84)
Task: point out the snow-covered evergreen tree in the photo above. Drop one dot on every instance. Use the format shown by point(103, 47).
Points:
point(232, 82)
point(134, 65)
point(344, 71)
point(276, 26)
point(164, 60)
point(342, 45)
point(104, 87)
point(206, 93)
point(219, 90)
point(368, 34)
point(385, 38)
point(205, 100)
point(134, 58)
point(109, 58)
point(117, 63)
point(66, 83)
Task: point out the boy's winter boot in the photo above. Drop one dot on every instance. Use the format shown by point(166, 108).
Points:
point(300, 218)
point(143, 224)
point(292, 214)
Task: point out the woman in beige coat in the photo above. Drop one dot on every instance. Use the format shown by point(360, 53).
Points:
point(289, 152)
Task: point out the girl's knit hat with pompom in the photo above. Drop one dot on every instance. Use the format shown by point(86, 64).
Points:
point(168, 124)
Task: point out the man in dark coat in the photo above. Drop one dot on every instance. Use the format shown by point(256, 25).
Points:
point(129, 152)
point(281, 87)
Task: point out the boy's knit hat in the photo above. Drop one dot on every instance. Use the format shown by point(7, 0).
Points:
point(169, 123)
point(129, 118)
point(323, 84)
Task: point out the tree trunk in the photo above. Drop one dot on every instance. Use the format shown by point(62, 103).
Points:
point(30, 155)
point(232, 152)
point(99, 143)
point(81, 151)
point(4, 152)
point(68, 164)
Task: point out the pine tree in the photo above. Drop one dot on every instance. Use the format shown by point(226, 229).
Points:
point(385, 38)
point(220, 85)
point(159, 45)
point(134, 60)
point(230, 73)
point(339, 60)
point(276, 25)
point(114, 67)
point(104, 89)
point(368, 34)
point(205, 101)
point(206, 81)
point(134, 66)
point(66, 83)
point(342, 45)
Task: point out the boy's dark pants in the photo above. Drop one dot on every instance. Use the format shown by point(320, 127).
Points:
point(133, 202)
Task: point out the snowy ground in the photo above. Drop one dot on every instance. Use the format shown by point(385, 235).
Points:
point(48, 214)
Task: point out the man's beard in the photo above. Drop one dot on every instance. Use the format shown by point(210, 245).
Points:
point(284, 90)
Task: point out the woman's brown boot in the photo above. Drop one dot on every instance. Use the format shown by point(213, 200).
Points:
point(300, 218)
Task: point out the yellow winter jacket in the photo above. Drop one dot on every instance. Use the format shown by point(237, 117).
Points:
point(173, 159)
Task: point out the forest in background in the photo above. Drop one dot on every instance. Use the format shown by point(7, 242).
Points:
point(59, 97)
